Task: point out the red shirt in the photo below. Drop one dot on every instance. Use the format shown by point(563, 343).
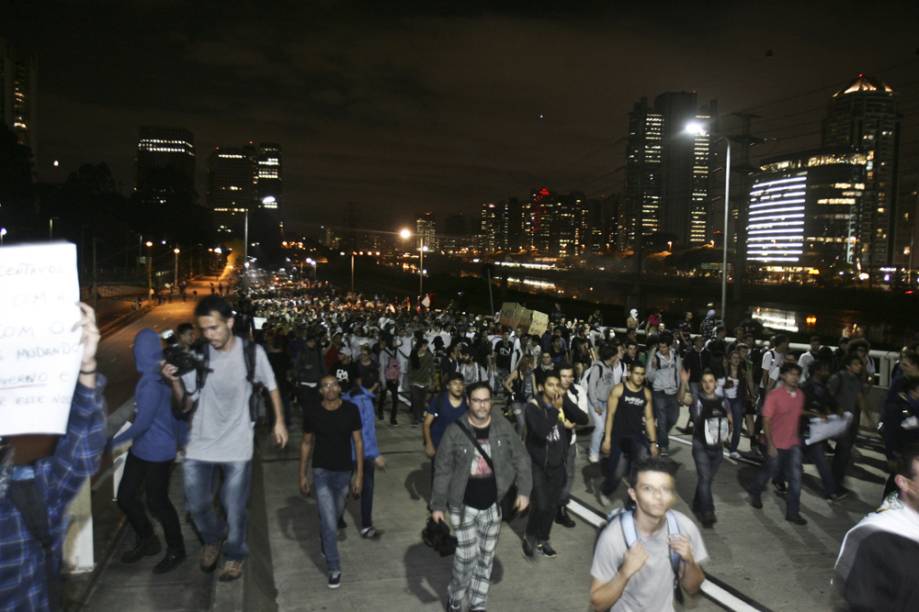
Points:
point(784, 412)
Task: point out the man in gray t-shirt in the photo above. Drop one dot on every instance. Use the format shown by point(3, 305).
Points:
point(641, 577)
point(220, 438)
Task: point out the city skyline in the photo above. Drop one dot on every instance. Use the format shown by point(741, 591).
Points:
point(383, 126)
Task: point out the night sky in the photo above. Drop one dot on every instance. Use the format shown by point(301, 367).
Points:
point(435, 108)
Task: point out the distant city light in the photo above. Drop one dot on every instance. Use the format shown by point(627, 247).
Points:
point(55, 163)
point(695, 128)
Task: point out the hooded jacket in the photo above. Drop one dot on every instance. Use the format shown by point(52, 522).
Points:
point(154, 431)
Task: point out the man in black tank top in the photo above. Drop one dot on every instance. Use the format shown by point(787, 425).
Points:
point(713, 429)
point(629, 426)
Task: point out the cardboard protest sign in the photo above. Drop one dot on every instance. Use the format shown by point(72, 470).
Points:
point(539, 323)
point(40, 349)
point(514, 315)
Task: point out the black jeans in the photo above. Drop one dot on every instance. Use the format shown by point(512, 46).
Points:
point(367, 494)
point(547, 490)
point(391, 386)
point(419, 397)
point(153, 477)
point(570, 463)
point(634, 449)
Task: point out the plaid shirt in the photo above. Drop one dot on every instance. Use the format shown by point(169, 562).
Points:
point(22, 570)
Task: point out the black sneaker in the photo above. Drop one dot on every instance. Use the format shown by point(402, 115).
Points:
point(528, 551)
point(708, 519)
point(334, 580)
point(147, 547)
point(341, 523)
point(780, 488)
point(756, 501)
point(564, 519)
point(370, 533)
point(546, 550)
point(453, 606)
point(797, 519)
point(171, 561)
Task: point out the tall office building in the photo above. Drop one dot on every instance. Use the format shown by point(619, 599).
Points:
point(165, 166)
point(268, 176)
point(231, 185)
point(863, 116)
point(643, 171)
point(18, 93)
point(489, 229)
point(667, 171)
point(426, 230)
point(803, 212)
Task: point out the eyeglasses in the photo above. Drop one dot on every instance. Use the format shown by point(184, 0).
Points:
point(477, 400)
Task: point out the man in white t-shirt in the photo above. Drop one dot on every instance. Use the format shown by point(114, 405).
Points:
point(221, 435)
point(643, 576)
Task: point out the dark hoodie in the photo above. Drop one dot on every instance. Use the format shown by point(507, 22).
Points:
point(154, 431)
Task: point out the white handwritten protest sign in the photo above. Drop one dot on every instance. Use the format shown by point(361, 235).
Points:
point(40, 347)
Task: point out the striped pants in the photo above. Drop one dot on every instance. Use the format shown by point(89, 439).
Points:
point(477, 537)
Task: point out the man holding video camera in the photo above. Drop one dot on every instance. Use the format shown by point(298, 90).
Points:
point(221, 435)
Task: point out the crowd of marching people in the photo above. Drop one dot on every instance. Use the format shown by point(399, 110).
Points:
point(498, 412)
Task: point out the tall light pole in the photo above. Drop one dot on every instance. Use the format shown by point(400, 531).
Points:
point(149, 258)
point(406, 234)
point(51, 228)
point(696, 128)
point(175, 281)
point(246, 239)
point(3, 233)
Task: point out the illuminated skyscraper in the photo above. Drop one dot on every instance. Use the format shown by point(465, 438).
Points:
point(643, 171)
point(18, 93)
point(489, 228)
point(165, 166)
point(231, 185)
point(426, 230)
point(269, 176)
point(667, 171)
point(803, 212)
point(863, 116)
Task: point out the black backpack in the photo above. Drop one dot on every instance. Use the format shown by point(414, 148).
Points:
point(255, 397)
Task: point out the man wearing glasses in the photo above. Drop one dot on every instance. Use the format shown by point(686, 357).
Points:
point(478, 460)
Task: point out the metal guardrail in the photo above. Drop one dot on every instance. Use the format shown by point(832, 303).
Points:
point(884, 360)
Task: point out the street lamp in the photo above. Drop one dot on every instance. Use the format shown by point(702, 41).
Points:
point(175, 281)
point(149, 258)
point(697, 128)
point(51, 227)
point(3, 233)
point(405, 234)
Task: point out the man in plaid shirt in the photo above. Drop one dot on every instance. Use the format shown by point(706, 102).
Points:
point(57, 478)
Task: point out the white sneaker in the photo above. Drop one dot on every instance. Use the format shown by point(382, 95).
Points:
point(594, 457)
point(734, 455)
point(605, 500)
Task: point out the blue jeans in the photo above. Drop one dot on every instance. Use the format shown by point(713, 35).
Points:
point(331, 493)
point(707, 459)
point(738, 411)
point(234, 497)
point(596, 438)
point(634, 449)
point(788, 463)
point(816, 453)
point(666, 412)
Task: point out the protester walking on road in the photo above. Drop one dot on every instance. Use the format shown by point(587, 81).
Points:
point(148, 466)
point(329, 431)
point(648, 551)
point(478, 461)
point(221, 433)
point(781, 419)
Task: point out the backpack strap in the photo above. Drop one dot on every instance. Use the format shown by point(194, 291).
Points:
point(34, 513)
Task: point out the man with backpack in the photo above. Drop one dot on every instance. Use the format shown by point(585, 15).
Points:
point(221, 433)
point(664, 377)
point(647, 552)
point(391, 366)
point(599, 379)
